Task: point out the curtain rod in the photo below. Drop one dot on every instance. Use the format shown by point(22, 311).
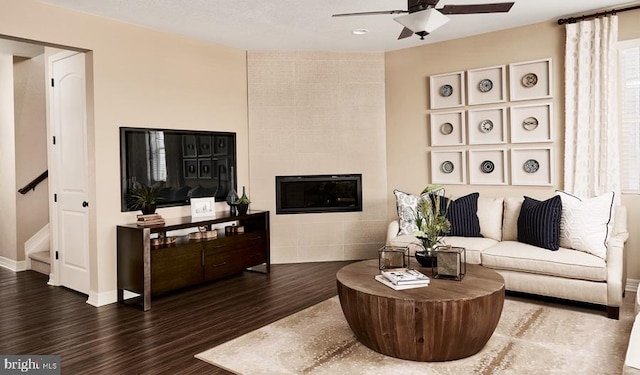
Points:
point(562, 21)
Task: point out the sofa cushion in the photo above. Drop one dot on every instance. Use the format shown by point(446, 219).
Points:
point(517, 256)
point(510, 215)
point(539, 222)
point(462, 214)
point(407, 240)
point(584, 223)
point(490, 217)
point(473, 246)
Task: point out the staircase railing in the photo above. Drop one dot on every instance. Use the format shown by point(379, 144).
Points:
point(32, 185)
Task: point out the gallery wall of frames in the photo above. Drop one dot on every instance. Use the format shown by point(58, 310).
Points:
point(493, 125)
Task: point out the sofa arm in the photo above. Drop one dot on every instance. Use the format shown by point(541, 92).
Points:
point(392, 230)
point(615, 269)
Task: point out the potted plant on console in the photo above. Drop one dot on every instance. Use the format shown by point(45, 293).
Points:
point(432, 224)
point(242, 203)
point(144, 197)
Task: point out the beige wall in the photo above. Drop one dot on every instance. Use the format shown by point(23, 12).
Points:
point(140, 78)
point(407, 106)
point(31, 147)
point(319, 113)
point(8, 232)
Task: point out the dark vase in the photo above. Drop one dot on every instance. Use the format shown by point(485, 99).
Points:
point(232, 196)
point(426, 259)
point(148, 209)
point(243, 208)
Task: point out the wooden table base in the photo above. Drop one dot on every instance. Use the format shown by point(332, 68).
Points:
point(445, 321)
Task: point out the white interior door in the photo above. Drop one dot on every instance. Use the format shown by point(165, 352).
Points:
point(69, 149)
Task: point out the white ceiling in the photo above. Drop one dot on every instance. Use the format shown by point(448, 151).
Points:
point(305, 25)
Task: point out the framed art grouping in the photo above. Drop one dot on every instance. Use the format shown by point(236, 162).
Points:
point(447, 90)
point(448, 167)
point(447, 128)
point(487, 126)
point(532, 166)
point(531, 123)
point(530, 80)
point(488, 167)
point(486, 85)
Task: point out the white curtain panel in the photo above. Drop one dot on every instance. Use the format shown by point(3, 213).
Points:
point(592, 157)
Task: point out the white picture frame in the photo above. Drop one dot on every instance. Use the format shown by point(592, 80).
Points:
point(488, 167)
point(531, 80)
point(458, 168)
point(487, 126)
point(447, 90)
point(447, 128)
point(203, 207)
point(531, 123)
point(521, 167)
point(487, 85)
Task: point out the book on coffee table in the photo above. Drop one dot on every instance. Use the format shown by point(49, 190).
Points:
point(401, 276)
point(391, 285)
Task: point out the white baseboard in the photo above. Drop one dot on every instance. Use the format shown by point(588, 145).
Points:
point(12, 265)
point(632, 285)
point(102, 299)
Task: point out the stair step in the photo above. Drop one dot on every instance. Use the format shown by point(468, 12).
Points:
point(41, 262)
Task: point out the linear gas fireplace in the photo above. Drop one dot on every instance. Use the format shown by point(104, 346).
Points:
point(318, 193)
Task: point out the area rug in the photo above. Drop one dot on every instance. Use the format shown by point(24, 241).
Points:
point(532, 337)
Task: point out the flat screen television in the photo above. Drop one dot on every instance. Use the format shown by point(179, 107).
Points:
point(184, 164)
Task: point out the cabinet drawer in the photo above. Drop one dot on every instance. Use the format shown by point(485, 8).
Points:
point(222, 263)
point(175, 267)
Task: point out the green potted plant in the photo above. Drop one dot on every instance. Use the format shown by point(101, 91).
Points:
point(432, 224)
point(242, 203)
point(144, 197)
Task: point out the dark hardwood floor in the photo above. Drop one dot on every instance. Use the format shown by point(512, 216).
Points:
point(116, 339)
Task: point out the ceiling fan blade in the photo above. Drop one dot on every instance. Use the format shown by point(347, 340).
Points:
point(405, 33)
point(476, 8)
point(371, 13)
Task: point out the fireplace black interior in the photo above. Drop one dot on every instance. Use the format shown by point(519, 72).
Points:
point(318, 193)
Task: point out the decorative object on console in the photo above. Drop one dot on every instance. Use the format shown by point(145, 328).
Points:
point(393, 257)
point(203, 207)
point(242, 203)
point(447, 90)
point(232, 196)
point(539, 222)
point(150, 220)
point(203, 234)
point(584, 223)
point(144, 197)
point(486, 85)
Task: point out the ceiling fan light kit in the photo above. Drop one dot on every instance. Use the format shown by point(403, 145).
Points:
point(425, 20)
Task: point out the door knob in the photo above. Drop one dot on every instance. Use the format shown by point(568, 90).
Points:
point(85, 204)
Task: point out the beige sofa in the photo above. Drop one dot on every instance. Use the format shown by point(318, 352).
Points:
point(565, 273)
point(632, 360)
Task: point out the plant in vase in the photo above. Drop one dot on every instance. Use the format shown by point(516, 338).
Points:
point(242, 203)
point(144, 197)
point(432, 224)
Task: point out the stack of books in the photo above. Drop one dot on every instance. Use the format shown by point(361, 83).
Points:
point(403, 278)
point(150, 220)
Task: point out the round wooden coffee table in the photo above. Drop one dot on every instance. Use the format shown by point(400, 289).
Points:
point(444, 321)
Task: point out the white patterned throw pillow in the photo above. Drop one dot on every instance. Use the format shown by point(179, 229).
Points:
point(584, 222)
point(407, 204)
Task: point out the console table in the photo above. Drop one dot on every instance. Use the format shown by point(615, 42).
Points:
point(149, 271)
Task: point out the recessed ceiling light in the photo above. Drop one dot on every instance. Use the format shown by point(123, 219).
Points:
point(360, 31)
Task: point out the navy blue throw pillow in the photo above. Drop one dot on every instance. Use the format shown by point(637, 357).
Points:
point(463, 215)
point(539, 222)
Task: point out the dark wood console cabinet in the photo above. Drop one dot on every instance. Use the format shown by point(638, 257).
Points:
point(150, 271)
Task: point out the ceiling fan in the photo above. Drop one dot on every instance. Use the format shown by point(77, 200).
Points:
point(423, 17)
